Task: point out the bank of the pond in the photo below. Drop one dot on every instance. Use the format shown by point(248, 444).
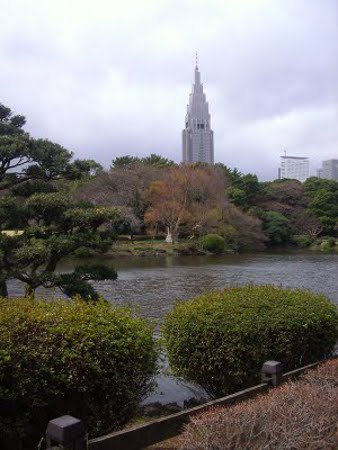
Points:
point(157, 248)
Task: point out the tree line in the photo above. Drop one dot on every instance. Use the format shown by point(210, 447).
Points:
point(52, 205)
point(190, 200)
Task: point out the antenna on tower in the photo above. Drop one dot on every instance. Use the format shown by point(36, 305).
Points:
point(285, 153)
point(196, 59)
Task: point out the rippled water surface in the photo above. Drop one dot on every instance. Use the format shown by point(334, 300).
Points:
point(155, 284)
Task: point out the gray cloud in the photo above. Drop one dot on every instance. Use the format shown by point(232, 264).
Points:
point(108, 78)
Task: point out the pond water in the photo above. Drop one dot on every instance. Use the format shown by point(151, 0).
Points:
point(154, 285)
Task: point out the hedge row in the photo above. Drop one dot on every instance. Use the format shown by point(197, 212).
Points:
point(221, 339)
point(90, 361)
point(96, 362)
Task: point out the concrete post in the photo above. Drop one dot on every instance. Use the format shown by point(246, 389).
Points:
point(66, 432)
point(272, 372)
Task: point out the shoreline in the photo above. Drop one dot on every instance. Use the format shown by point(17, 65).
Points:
point(160, 248)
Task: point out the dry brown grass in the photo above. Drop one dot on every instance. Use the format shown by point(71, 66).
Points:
point(301, 415)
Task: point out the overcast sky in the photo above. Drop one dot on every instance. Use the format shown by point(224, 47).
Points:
point(107, 78)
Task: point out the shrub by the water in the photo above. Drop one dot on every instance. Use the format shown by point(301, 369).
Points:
point(221, 339)
point(212, 243)
point(327, 244)
point(92, 361)
point(303, 240)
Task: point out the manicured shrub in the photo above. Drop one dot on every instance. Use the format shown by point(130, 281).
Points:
point(92, 361)
point(221, 339)
point(212, 243)
point(301, 416)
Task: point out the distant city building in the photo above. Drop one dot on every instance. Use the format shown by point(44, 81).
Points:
point(294, 167)
point(329, 169)
point(197, 137)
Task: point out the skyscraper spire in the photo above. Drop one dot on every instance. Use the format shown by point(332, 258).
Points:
point(197, 136)
point(197, 74)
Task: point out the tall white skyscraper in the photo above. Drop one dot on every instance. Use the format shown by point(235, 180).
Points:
point(197, 137)
point(294, 167)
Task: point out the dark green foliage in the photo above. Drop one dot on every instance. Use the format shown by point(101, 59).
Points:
point(233, 175)
point(221, 339)
point(237, 196)
point(53, 227)
point(23, 158)
point(128, 161)
point(10, 125)
point(14, 154)
point(5, 113)
point(82, 252)
point(157, 160)
point(323, 202)
point(313, 184)
point(243, 189)
point(91, 361)
point(327, 243)
point(124, 161)
point(31, 187)
point(276, 227)
point(39, 225)
point(50, 160)
point(303, 240)
point(76, 283)
point(82, 168)
point(329, 225)
point(212, 243)
point(331, 241)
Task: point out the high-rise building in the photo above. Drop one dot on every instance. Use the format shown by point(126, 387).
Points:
point(329, 169)
point(197, 137)
point(294, 167)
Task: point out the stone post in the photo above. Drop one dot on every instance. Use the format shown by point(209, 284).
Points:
point(272, 372)
point(66, 432)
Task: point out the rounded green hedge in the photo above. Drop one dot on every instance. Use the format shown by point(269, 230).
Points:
point(213, 243)
point(92, 361)
point(221, 339)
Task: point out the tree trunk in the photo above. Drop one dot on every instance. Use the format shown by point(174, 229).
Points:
point(3, 288)
point(29, 291)
point(169, 238)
